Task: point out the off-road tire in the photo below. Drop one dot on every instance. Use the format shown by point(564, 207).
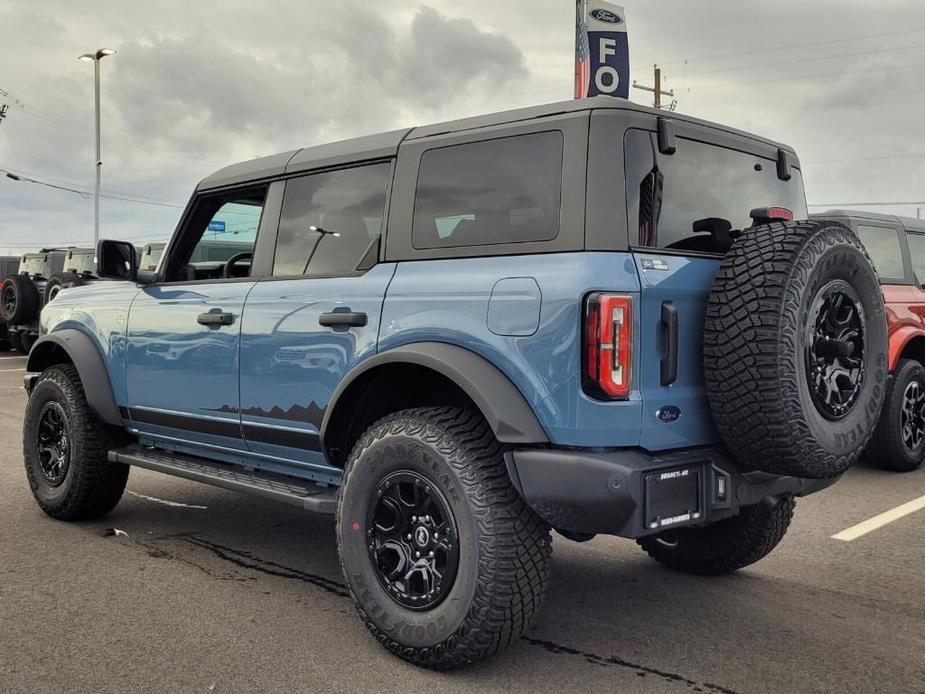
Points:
point(92, 486)
point(727, 545)
point(20, 299)
point(59, 280)
point(504, 547)
point(755, 350)
point(15, 339)
point(887, 449)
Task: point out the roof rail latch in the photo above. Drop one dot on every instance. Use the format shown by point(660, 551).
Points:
point(783, 165)
point(666, 144)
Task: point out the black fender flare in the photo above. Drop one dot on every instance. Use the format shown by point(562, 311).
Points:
point(506, 410)
point(88, 361)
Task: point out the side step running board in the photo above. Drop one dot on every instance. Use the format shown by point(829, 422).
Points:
point(291, 490)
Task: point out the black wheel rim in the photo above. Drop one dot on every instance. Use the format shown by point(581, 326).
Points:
point(54, 444)
point(912, 416)
point(412, 540)
point(9, 301)
point(835, 349)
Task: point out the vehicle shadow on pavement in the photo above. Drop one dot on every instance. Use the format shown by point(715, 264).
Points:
point(608, 607)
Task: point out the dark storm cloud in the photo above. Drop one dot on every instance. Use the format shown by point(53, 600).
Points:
point(199, 84)
point(444, 55)
point(180, 98)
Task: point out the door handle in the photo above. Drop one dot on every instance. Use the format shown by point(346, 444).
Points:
point(669, 365)
point(215, 319)
point(334, 319)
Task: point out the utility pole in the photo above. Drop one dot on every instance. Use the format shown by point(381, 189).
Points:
point(918, 213)
point(657, 89)
point(96, 58)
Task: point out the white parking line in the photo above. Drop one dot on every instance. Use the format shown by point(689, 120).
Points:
point(9, 371)
point(871, 524)
point(163, 501)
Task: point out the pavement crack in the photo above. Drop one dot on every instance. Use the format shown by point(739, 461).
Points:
point(247, 560)
point(160, 553)
point(640, 670)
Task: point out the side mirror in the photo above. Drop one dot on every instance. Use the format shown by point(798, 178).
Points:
point(116, 260)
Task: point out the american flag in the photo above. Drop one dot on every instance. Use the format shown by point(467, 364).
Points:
point(582, 53)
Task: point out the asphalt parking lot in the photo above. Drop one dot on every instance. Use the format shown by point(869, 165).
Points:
point(204, 590)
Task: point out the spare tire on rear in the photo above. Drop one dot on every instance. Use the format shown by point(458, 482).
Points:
point(59, 281)
point(795, 349)
point(20, 299)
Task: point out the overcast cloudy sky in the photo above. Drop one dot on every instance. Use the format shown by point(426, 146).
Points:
point(196, 85)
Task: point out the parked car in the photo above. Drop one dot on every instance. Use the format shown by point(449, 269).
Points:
point(588, 316)
point(9, 265)
point(150, 256)
point(897, 248)
point(24, 293)
point(79, 268)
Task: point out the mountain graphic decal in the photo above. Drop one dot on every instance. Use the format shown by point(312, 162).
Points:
point(311, 413)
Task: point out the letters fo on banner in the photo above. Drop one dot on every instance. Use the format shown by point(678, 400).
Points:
point(601, 50)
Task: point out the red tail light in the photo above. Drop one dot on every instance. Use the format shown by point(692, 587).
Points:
point(766, 215)
point(608, 344)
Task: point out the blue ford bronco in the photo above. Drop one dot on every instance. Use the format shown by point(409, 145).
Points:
point(588, 316)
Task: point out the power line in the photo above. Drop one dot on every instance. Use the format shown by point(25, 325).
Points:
point(804, 77)
point(802, 60)
point(86, 194)
point(109, 191)
point(867, 204)
point(888, 157)
point(26, 179)
point(788, 47)
point(55, 117)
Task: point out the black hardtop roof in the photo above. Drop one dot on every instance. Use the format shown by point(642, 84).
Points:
point(385, 145)
point(863, 215)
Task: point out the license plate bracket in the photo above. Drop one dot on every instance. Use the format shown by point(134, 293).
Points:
point(674, 497)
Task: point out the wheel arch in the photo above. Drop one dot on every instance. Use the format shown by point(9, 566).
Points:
point(71, 346)
point(439, 371)
point(908, 343)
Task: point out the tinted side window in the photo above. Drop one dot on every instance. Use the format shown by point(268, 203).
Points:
point(917, 251)
point(496, 191)
point(885, 251)
point(666, 195)
point(329, 219)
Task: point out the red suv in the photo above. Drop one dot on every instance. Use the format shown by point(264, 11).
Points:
point(897, 247)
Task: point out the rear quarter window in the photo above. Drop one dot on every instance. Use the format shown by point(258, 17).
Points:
point(666, 195)
point(506, 190)
point(917, 251)
point(883, 247)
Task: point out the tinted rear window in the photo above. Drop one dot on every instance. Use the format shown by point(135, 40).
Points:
point(917, 251)
point(494, 191)
point(666, 194)
point(882, 244)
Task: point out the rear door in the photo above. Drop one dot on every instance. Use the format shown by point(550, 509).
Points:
point(677, 255)
point(317, 314)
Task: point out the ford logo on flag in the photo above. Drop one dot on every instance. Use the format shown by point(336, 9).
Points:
point(606, 16)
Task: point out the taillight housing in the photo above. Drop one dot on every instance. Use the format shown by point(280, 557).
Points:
point(608, 344)
point(766, 215)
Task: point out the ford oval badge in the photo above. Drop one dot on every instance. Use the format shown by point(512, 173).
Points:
point(606, 16)
point(668, 414)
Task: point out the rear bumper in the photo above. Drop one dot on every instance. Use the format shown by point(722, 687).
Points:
point(632, 493)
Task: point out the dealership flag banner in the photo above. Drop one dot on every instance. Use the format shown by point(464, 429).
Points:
point(602, 58)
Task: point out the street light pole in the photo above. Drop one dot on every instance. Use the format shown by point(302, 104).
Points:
point(96, 57)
